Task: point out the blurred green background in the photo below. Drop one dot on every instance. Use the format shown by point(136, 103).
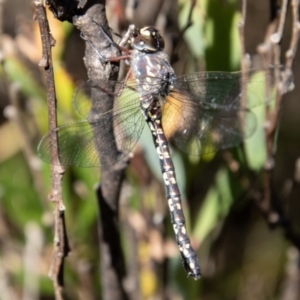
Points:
point(241, 257)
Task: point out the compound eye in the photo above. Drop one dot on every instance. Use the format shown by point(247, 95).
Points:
point(135, 32)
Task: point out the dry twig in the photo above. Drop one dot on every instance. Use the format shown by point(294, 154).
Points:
point(88, 16)
point(270, 204)
point(61, 247)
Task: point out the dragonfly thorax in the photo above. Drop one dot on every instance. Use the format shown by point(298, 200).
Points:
point(153, 73)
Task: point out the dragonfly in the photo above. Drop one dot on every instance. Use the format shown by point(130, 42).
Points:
point(198, 113)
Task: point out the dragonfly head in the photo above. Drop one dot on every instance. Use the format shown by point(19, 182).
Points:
point(147, 40)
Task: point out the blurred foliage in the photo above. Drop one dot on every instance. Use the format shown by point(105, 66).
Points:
point(240, 257)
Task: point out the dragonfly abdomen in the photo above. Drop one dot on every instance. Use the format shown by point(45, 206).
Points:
point(189, 256)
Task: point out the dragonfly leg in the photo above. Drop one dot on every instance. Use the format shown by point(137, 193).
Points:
point(123, 42)
point(119, 46)
point(92, 45)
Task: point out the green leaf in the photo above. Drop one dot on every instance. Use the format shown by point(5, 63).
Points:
point(225, 193)
point(194, 35)
point(17, 72)
point(215, 207)
point(221, 35)
point(255, 146)
point(208, 215)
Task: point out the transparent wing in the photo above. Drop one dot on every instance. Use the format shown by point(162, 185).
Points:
point(81, 143)
point(229, 89)
point(211, 109)
point(204, 112)
point(83, 98)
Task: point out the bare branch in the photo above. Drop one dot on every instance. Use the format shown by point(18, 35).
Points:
point(245, 59)
point(291, 286)
point(291, 52)
point(112, 260)
point(269, 202)
point(61, 247)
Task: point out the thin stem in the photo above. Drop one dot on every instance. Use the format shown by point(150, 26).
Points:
point(245, 58)
point(269, 203)
point(61, 247)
